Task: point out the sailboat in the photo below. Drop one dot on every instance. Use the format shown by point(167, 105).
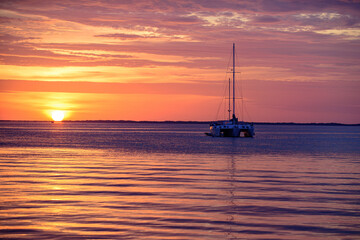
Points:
point(231, 127)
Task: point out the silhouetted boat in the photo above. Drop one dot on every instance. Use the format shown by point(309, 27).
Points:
point(232, 127)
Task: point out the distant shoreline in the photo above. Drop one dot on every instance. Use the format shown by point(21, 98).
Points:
point(188, 122)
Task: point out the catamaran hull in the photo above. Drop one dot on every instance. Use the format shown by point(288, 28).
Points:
point(232, 131)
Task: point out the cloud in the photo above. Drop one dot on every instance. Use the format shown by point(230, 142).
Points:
point(183, 41)
point(8, 38)
point(283, 6)
point(123, 36)
point(266, 19)
point(118, 88)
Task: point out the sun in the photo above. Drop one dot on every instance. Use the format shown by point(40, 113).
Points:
point(57, 115)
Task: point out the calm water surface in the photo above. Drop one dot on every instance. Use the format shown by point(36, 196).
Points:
point(170, 181)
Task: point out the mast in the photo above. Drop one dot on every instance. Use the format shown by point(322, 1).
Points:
point(229, 110)
point(233, 80)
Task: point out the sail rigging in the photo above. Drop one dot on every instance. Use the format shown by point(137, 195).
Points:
point(232, 127)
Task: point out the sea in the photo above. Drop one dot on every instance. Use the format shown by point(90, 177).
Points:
point(118, 180)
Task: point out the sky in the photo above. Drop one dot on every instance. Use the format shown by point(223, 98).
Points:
point(169, 60)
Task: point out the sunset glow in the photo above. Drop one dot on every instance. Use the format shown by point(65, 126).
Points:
point(57, 115)
point(107, 60)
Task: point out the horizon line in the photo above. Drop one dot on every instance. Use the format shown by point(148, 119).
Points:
point(194, 122)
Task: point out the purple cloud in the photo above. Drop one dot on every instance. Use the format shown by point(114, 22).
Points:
point(266, 19)
point(123, 36)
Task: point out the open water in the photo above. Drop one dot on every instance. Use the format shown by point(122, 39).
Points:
point(82, 180)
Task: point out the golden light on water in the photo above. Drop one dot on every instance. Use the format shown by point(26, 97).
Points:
point(58, 115)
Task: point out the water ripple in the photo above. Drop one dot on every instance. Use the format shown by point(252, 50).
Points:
point(130, 183)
